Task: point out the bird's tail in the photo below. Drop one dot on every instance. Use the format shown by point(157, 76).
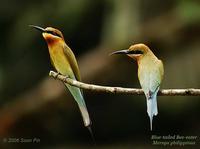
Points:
point(77, 94)
point(152, 108)
point(92, 134)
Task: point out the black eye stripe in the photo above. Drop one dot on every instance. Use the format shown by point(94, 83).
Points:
point(135, 52)
point(53, 33)
point(56, 34)
point(49, 32)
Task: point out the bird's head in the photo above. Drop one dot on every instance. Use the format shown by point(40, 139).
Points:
point(135, 51)
point(50, 34)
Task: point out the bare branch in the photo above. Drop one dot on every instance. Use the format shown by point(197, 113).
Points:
point(135, 91)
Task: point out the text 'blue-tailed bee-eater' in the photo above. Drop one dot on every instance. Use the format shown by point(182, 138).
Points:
point(65, 63)
point(150, 74)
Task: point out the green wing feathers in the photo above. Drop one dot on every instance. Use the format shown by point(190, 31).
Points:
point(72, 61)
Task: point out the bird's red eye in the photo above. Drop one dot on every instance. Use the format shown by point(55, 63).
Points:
point(56, 34)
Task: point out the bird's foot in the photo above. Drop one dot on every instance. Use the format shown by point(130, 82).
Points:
point(149, 95)
point(56, 74)
point(66, 77)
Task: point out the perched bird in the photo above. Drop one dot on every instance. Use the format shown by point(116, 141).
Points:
point(150, 74)
point(65, 63)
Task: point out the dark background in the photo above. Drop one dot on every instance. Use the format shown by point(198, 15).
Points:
point(33, 105)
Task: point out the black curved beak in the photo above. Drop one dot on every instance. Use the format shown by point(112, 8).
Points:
point(38, 28)
point(126, 51)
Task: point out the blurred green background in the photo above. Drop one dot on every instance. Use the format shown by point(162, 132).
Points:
point(33, 105)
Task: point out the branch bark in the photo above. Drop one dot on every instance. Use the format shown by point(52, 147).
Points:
point(135, 91)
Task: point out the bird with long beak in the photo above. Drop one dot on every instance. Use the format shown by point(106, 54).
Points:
point(65, 63)
point(150, 74)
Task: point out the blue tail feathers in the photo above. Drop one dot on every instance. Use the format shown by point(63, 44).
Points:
point(152, 108)
point(76, 93)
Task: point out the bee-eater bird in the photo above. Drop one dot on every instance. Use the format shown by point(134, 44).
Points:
point(150, 74)
point(65, 63)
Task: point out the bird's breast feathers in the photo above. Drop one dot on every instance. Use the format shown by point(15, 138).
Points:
point(150, 75)
point(59, 59)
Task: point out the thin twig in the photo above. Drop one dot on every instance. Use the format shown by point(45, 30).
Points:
point(135, 91)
